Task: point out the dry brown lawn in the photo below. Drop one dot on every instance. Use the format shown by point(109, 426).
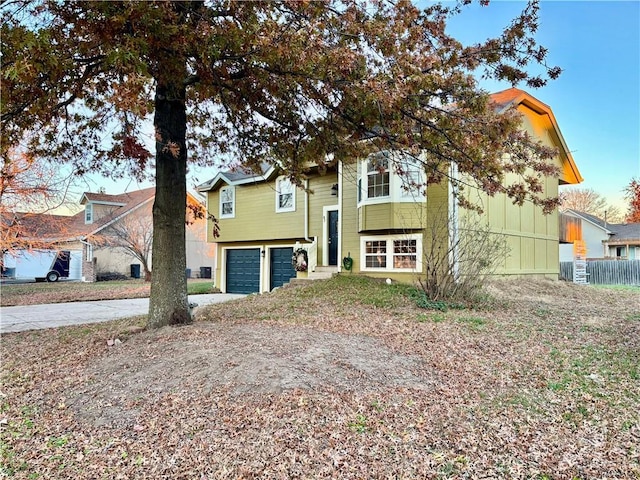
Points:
point(345, 378)
point(64, 291)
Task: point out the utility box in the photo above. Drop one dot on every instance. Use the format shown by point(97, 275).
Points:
point(205, 272)
point(188, 273)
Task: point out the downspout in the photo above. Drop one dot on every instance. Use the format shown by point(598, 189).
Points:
point(306, 211)
point(454, 234)
point(340, 190)
point(89, 246)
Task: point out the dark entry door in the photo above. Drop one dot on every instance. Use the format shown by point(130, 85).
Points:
point(281, 267)
point(333, 237)
point(243, 270)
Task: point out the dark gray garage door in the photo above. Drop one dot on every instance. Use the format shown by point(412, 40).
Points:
point(281, 268)
point(243, 270)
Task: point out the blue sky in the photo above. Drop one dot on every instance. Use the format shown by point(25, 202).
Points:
point(596, 100)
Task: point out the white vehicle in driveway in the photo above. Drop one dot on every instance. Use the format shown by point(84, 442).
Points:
point(49, 265)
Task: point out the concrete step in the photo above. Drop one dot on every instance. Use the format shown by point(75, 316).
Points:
point(320, 273)
point(330, 269)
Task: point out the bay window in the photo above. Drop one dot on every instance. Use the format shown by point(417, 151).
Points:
point(385, 177)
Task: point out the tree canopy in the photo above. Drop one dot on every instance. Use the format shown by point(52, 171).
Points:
point(293, 83)
point(633, 197)
point(589, 201)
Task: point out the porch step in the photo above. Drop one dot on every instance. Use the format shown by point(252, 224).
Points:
point(329, 268)
point(320, 273)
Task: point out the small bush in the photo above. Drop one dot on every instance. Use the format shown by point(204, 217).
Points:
point(422, 300)
point(109, 276)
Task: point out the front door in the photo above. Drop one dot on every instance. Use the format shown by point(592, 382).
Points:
point(333, 237)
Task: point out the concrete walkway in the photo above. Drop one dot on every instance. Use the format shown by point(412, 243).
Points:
point(35, 317)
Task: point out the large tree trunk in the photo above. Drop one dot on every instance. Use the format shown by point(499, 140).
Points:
point(169, 304)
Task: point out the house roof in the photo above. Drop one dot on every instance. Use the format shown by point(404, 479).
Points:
point(122, 199)
point(238, 177)
point(39, 225)
point(502, 100)
point(625, 232)
point(619, 232)
point(515, 97)
point(60, 227)
point(592, 219)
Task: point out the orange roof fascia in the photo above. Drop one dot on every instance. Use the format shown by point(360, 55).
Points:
point(515, 96)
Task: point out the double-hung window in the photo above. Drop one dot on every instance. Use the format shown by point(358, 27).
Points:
point(378, 177)
point(375, 254)
point(392, 252)
point(227, 202)
point(285, 195)
point(405, 253)
point(390, 177)
point(88, 213)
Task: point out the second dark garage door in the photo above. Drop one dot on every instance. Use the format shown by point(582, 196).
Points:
point(243, 270)
point(281, 268)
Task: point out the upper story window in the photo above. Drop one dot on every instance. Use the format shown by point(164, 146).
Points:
point(285, 195)
point(378, 177)
point(385, 177)
point(227, 202)
point(88, 213)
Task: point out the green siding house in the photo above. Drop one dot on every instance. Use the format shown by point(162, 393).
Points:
point(364, 212)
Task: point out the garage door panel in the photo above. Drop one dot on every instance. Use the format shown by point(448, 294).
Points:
point(281, 268)
point(243, 270)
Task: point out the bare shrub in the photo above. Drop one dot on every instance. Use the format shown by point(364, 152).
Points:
point(460, 253)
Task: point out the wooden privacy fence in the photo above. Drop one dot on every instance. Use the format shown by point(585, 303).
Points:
point(606, 272)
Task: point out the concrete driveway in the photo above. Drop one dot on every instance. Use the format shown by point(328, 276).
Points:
point(36, 317)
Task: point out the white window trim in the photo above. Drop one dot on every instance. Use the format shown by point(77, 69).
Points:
point(389, 254)
point(291, 208)
point(397, 194)
point(88, 214)
point(233, 202)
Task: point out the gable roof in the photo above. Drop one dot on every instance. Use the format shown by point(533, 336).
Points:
point(239, 177)
point(514, 97)
point(64, 227)
point(45, 227)
point(592, 219)
point(122, 199)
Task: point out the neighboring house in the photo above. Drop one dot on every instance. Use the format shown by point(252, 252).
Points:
point(594, 232)
point(97, 234)
point(624, 242)
point(362, 211)
point(604, 240)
